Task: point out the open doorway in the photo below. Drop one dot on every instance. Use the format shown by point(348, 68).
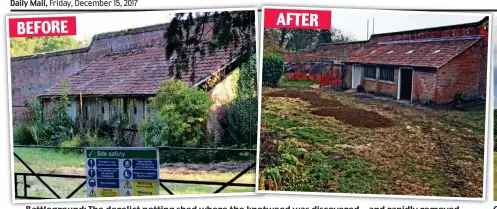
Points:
point(405, 84)
point(356, 76)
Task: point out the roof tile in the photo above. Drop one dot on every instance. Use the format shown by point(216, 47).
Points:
point(133, 73)
point(397, 52)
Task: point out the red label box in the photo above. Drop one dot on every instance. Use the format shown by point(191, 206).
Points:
point(297, 18)
point(42, 26)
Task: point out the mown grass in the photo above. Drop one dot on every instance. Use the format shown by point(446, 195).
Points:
point(50, 161)
point(296, 84)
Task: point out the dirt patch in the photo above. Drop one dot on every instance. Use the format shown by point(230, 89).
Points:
point(355, 117)
point(70, 171)
point(333, 108)
point(308, 96)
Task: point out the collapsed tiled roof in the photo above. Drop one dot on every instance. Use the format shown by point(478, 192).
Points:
point(434, 52)
point(134, 73)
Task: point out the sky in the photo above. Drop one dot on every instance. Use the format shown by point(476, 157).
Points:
point(89, 24)
point(354, 22)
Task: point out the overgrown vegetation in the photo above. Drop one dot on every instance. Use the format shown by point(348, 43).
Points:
point(242, 111)
point(49, 130)
point(178, 116)
point(54, 127)
point(272, 69)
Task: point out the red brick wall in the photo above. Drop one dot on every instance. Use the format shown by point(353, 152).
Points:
point(337, 52)
point(423, 85)
point(473, 29)
point(388, 88)
point(378, 86)
point(462, 74)
point(369, 85)
point(31, 75)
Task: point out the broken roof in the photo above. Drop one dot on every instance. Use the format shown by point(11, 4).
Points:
point(139, 72)
point(434, 52)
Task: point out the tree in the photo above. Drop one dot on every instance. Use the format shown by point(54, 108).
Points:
point(33, 45)
point(303, 39)
point(271, 42)
point(190, 36)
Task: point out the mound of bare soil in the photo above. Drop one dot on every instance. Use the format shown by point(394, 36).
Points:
point(308, 96)
point(333, 108)
point(355, 117)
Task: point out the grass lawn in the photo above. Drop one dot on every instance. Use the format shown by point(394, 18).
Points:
point(48, 161)
point(296, 84)
point(323, 141)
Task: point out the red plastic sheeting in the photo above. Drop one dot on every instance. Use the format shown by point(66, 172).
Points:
point(323, 80)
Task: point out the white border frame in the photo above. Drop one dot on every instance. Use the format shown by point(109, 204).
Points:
point(11, 147)
point(488, 110)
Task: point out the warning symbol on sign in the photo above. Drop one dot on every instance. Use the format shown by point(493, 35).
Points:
point(92, 193)
point(127, 185)
point(127, 193)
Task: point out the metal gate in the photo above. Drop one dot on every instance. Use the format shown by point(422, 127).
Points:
point(21, 178)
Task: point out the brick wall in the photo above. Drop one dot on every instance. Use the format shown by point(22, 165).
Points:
point(423, 85)
point(462, 75)
point(378, 86)
point(336, 52)
point(471, 29)
point(31, 75)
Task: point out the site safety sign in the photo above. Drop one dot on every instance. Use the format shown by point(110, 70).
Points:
point(122, 171)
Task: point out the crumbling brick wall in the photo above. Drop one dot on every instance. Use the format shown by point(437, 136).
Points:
point(424, 84)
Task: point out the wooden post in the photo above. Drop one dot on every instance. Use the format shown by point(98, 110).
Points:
point(80, 111)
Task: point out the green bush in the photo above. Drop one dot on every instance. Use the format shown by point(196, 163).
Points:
point(241, 118)
point(178, 116)
point(272, 70)
point(73, 142)
point(247, 80)
point(22, 135)
point(242, 123)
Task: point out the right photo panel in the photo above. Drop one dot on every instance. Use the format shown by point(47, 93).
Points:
point(374, 102)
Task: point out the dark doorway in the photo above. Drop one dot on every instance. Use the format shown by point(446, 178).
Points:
point(405, 84)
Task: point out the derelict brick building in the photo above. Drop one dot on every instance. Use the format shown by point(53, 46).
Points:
point(433, 64)
point(115, 76)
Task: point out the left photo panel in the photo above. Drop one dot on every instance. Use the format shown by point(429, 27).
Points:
point(123, 104)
